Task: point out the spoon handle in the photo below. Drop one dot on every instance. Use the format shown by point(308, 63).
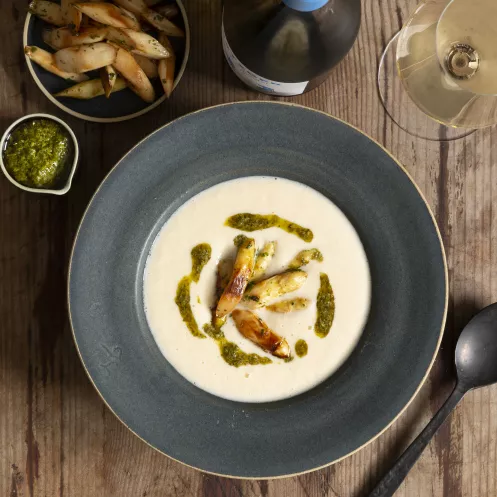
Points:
point(393, 479)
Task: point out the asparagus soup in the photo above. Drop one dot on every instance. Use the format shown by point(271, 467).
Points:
point(257, 289)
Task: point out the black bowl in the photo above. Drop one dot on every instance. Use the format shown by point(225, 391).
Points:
point(122, 105)
point(359, 401)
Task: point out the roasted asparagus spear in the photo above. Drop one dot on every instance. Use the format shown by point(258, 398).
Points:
point(257, 331)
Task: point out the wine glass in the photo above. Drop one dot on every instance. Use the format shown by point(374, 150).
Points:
point(438, 76)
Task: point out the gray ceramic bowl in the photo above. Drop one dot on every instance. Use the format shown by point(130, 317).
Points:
point(384, 372)
point(122, 105)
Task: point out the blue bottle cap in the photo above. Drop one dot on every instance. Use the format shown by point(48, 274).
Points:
point(305, 5)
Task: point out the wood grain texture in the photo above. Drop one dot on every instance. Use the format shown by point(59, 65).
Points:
point(57, 437)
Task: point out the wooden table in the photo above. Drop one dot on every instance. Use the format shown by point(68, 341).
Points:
point(56, 436)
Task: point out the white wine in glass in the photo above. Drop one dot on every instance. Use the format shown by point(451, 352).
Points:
point(438, 77)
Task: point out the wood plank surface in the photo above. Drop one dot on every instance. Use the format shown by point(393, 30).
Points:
point(56, 436)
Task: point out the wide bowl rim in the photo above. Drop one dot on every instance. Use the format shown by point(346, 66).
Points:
point(127, 117)
point(68, 184)
point(442, 327)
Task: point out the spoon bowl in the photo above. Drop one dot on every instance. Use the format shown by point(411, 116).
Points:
point(476, 351)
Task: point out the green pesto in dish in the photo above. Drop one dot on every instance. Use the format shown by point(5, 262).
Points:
point(301, 348)
point(255, 222)
point(325, 304)
point(231, 353)
point(37, 153)
point(201, 255)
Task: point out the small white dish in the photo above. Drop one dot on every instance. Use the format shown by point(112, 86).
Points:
point(74, 163)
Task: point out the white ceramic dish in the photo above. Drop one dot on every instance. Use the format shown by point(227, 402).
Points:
point(74, 164)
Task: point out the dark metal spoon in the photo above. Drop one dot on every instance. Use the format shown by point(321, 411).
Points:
point(476, 364)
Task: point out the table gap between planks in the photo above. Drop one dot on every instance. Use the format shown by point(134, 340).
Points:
point(56, 436)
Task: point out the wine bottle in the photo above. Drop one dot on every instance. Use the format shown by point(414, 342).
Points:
point(287, 47)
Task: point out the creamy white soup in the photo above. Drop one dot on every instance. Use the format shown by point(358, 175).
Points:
point(202, 220)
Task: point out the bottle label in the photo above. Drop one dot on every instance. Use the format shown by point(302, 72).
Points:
point(257, 82)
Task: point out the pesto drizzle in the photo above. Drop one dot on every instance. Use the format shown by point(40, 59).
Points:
point(185, 309)
point(255, 222)
point(239, 239)
point(325, 304)
point(301, 348)
point(231, 353)
point(201, 255)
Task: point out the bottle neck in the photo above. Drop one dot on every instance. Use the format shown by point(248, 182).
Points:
point(305, 5)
